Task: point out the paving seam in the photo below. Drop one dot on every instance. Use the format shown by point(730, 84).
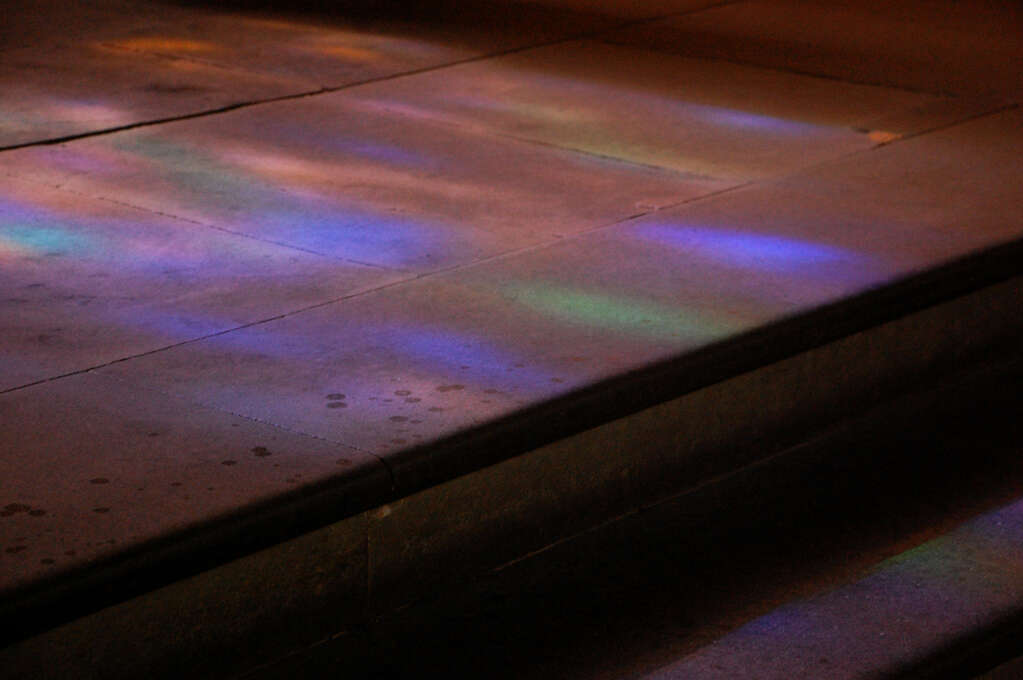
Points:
point(340, 88)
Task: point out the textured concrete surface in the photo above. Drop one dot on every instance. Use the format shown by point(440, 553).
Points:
point(332, 280)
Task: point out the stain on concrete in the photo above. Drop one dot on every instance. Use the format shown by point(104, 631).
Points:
point(260, 451)
point(450, 388)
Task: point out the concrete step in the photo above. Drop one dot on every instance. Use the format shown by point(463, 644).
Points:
point(299, 329)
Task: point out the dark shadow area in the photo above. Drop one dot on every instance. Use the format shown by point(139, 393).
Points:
point(635, 596)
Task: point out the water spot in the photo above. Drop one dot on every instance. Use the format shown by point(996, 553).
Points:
point(397, 419)
point(402, 393)
point(175, 483)
point(101, 510)
point(228, 462)
point(335, 396)
point(209, 488)
point(37, 512)
point(260, 451)
point(491, 391)
point(450, 388)
point(337, 404)
point(398, 441)
point(99, 480)
point(47, 560)
point(153, 434)
point(344, 462)
point(413, 400)
point(435, 409)
point(15, 549)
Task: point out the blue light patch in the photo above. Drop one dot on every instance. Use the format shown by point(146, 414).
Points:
point(748, 250)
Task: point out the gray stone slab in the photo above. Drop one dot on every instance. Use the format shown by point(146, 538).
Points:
point(705, 118)
point(121, 62)
point(969, 48)
point(76, 89)
point(95, 466)
point(86, 282)
point(927, 598)
point(418, 362)
point(352, 180)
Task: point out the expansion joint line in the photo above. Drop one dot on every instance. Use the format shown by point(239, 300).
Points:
point(594, 34)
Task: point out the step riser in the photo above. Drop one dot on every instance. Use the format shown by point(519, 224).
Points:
point(338, 578)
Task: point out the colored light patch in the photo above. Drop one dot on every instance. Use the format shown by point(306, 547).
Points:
point(35, 240)
point(164, 44)
point(635, 317)
point(348, 52)
point(748, 250)
point(455, 355)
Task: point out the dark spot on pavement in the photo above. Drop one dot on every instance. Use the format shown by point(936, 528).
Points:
point(413, 400)
point(450, 388)
point(101, 510)
point(260, 451)
point(435, 409)
point(17, 507)
point(37, 512)
point(15, 549)
point(402, 393)
point(175, 483)
point(337, 404)
point(99, 480)
point(228, 462)
point(335, 396)
point(153, 434)
point(415, 421)
point(70, 553)
point(491, 391)
point(397, 419)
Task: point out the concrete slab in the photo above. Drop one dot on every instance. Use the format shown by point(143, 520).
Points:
point(72, 90)
point(125, 62)
point(966, 48)
point(705, 118)
point(87, 282)
point(49, 23)
point(354, 181)
point(415, 363)
point(98, 469)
